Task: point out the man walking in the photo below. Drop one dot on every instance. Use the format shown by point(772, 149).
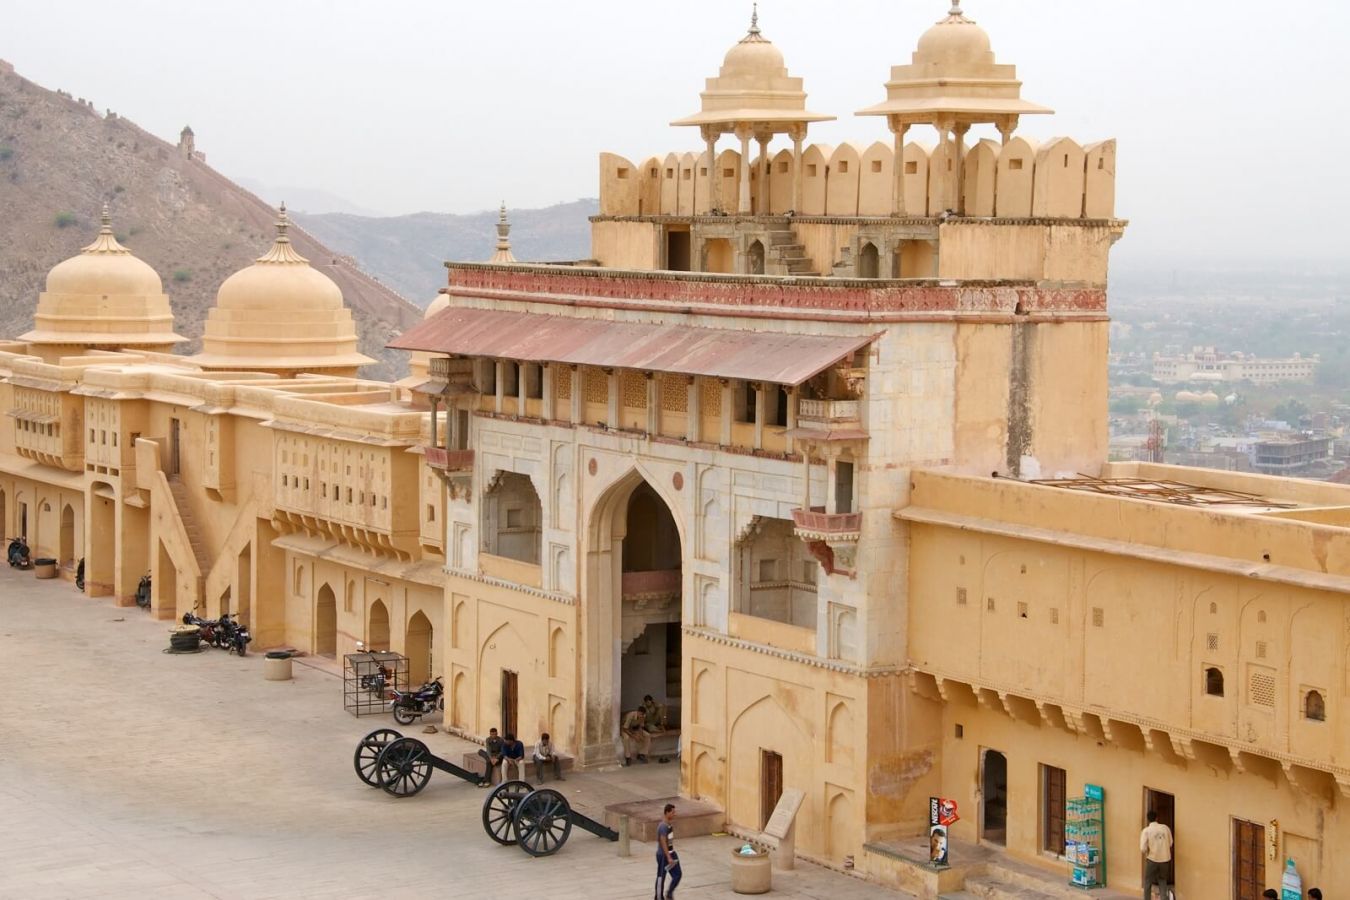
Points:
point(667, 861)
point(1155, 842)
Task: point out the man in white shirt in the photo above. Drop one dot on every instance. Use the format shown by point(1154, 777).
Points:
point(1155, 842)
point(544, 754)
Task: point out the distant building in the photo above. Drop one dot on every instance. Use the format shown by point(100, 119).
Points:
point(1205, 364)
point(1292, 455)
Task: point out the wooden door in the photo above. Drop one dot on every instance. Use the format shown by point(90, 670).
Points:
point(1249, 860)
point(510, 701)
point(770, 784)
point(1165, 805)
point(173, 461)
point(1054, 784)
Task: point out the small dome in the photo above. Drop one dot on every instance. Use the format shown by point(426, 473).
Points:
point(441, 302)
point(955, 39)
point(280, 315)
point(754, 56)
point(105, 297)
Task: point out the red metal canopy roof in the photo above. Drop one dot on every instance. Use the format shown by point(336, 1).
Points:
point(684, 349)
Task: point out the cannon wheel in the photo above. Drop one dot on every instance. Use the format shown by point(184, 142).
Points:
point(542, 822)
point(368, 754)
point(404, 767)
point(499, 810)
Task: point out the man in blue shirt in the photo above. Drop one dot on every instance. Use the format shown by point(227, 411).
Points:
point(667, 861)
point(513, 754)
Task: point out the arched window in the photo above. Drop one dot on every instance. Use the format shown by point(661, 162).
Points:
point(1314, 707)
point(868, 262)
point(1213, 682)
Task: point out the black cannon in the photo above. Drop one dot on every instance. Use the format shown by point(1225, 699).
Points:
point(514, 812)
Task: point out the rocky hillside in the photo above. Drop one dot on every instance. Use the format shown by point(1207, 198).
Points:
point(60, 161)
point(409, 252)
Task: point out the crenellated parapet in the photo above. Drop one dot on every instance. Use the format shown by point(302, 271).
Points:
point(1055, 179)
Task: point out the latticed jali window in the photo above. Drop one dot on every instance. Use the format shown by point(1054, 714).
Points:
point(1261, 689)
point(562, 382)
point(711, 400)
point(597, 386)
point(634, 390)
point(674, 394)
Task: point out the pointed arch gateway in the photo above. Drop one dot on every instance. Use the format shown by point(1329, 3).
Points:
point(632, 608)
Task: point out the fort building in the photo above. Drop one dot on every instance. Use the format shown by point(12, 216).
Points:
point(812, 450)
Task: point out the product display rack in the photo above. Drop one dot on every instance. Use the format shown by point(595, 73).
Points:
point(1085, 839)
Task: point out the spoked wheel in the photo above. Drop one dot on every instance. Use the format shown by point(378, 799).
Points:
point(404, 767)
point(542, 822)
point(499, 809)
point(368, 754)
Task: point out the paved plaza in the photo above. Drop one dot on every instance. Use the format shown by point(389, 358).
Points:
point(129, 772)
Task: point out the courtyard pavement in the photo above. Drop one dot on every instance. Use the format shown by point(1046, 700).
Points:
point(128, 772)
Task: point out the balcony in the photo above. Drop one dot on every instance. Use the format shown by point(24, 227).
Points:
point(817, 525)
point(449, 462)
point(827, 413)
point(660, 584)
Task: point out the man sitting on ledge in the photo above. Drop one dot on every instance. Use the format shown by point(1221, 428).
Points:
point(492, 756)
point(656, 715)
point(544, 754)
point(635, 736)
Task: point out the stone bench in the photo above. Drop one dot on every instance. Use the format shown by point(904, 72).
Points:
point(477, 765)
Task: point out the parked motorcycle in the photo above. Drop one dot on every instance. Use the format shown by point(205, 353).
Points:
point(209, 630)
point(409, 706)
point(79, 575)
point(19, 557)
point(234, 635)
point(143, 592)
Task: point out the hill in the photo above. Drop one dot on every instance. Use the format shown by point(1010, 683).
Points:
point(409, 252)
point(60, 161)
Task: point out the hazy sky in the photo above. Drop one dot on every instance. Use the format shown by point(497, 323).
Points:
point(1229, 113)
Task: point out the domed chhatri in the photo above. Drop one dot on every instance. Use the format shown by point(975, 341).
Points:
point(104, 298)
point(952, 82)
point(280, 315)
point(752, 96)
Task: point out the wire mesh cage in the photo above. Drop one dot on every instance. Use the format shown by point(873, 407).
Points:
point(367, 679)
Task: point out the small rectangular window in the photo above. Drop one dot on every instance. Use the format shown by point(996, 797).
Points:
point(670, 173)
point(960, 596)
point(768, 570)
point(622, 173)
point(911, 168)
point(1015, 165)
point(686, 174)
point(783, 167)
point(876, 165)
point(728, 173)
point(810, 170)
point(843, 167)
point(1098, 617)
point(514, 518)
point(431, 513)
point(92, 435)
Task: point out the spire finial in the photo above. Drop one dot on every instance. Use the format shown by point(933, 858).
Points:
point(283, 223)
point(956, 9)
point(281, 250)
point(106, 221)
point(754, 18)
point(503, 254)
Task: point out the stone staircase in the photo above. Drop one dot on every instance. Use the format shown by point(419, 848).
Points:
point(786, 255)
point(194, 532)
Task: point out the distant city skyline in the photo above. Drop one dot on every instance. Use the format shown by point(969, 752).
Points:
point(1225, 114)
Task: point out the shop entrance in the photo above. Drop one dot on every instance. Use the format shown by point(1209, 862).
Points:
point(1249, 860)
point(770, 785)
point(1165, 805)
point(994, 787)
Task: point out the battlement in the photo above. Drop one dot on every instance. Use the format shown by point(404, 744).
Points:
point(1057, 179)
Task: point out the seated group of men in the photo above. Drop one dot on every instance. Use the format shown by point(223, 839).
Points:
point(503, 753)
point(500, 754)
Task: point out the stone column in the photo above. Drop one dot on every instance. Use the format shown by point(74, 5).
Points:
point(758, 388)
point(501, 385)
point(899, 129)
point(743, 176)
point(806, 478)
point(1006, 126)
point(547, 388)
point(614, 394)
point(945, 176)
point(765, 165)
point(693, 425)
point(435, 402)
point(653, 404)
point(791, 417)
point(578, 401)
point(710, 138)
point(522, 386)
point(961, 130)
point(728, 395)
point(798, 134)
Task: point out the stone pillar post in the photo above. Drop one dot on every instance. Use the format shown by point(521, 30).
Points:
point(758, 388)
point(578, 401)
point(899, 129)
point(798, 134)
point(693, 423)
point(791, 416)
point(727, 417)
point(435, 402)
point(960, 195)
point(522, 386)
point(653, 404)
point(806, 478)
point(1006, 126)
point(743, 176)
point(944, 179)
point(765, 165)
point(614, 394)
point(710, 138)
point(501, 385)
point(547, 388)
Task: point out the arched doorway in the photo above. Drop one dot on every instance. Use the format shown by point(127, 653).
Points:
point(66, 551)
point(418, 648)
point(325, 623)
point(754, 259)
point(994, 787)
point(632, 617)
point(377, 630)
point(869, 262)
